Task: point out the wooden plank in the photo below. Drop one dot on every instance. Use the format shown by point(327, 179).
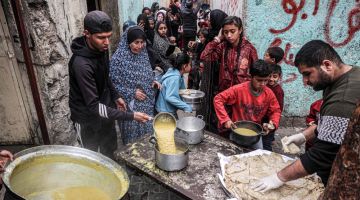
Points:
point(198, 180)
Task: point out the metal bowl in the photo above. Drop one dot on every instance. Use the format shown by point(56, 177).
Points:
point(192, 97)
point(64, 172)
point(191, 129)
point(246, 140)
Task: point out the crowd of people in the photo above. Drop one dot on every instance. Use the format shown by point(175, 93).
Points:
point(144, 76)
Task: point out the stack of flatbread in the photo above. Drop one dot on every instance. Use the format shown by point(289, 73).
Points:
point(241, 173)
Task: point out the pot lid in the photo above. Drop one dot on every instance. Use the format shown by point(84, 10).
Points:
point(191, 94)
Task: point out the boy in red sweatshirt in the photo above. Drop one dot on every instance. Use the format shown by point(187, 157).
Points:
point(250, 100)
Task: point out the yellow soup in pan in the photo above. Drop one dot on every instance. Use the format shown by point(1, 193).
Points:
point(245, 132)
point(164, 131)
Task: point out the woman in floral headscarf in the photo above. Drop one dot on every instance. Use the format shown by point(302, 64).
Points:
point(132, 76)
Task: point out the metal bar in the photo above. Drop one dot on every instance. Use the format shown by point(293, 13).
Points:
point(15, 4)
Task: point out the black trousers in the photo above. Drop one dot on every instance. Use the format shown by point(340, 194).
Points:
point(98, 135)
point(267, 140)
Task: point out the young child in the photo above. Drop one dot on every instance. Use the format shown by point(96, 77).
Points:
point(250, 101)
point(197, 47)
point(274, 85)
point(274, 55)
point(169, 99)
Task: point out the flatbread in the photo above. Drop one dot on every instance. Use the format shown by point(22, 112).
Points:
point(241, 173)
point(291, 148)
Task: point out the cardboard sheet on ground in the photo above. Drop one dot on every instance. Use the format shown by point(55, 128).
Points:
point(238, 172)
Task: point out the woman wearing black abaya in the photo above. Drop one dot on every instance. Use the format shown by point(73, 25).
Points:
point(216, 19)
point(210, 76)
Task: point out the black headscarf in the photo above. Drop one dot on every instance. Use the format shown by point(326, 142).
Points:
point(134, 33)
point(150, 32)
point(216, 20)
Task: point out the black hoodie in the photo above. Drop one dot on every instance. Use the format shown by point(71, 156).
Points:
point(92, 94)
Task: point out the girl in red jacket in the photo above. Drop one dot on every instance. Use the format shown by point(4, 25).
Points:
point(235, 53)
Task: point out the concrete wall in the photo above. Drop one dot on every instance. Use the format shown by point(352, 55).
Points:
point(51, 26)
point(290, 24)
point(112, 9)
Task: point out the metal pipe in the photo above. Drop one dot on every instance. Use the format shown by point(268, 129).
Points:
point(15, 4)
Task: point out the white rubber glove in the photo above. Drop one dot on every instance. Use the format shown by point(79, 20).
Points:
point(267, 183)
point(297, 139)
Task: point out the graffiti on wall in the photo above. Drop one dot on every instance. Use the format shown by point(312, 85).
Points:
point(353, 19)
point(292, 8)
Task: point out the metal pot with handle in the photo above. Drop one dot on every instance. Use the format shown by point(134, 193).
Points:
point(172, 162)
point(64, 172)
point(192, 97)
point(248, 133)
point(191, 129)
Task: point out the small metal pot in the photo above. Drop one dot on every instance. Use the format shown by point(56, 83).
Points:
point(171, 162)
point(191, 129)
point(246, 140)
point(193, 97)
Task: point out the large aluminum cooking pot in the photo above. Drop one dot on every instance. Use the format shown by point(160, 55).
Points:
point(192, 97)
point(172, 162)
point(64, 172)
point(246, 140)
point(191, 129)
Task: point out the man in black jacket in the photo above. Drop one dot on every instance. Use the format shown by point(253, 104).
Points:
point(93, 98)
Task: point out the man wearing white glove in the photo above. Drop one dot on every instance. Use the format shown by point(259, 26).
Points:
point(323, 69)
point(297, 139)
point(267, 183)
point(301, 138)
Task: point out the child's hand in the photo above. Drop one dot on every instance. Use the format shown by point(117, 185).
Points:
point(229, 124)
point(220, 36)
point(268, 127)
point(141, 24)
point(156, 85)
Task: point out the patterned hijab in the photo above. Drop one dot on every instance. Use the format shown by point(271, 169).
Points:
point(161, 45)
point(131, 71)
